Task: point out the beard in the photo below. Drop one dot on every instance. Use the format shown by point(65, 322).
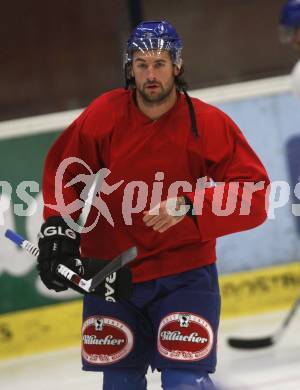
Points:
point(158, 97)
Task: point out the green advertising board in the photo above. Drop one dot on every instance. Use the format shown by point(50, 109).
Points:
point(21, 168)
point(32, 318)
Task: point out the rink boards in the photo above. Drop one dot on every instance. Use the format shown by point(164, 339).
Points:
point(58, 326)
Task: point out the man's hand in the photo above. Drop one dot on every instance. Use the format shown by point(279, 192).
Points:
point(166, 214)
point(58, 244)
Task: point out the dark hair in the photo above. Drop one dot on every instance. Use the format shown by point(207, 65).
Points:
point(180, 82)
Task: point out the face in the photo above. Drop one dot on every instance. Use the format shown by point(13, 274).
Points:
point(154, 75)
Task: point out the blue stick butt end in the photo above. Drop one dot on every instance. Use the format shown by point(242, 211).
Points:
point(16, 238)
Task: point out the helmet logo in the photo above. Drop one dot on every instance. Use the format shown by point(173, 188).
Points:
point(161, 28)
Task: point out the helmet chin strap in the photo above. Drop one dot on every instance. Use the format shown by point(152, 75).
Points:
point(127, 76)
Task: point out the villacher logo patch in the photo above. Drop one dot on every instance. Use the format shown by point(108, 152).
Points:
point(185, 336)
point(105, 340)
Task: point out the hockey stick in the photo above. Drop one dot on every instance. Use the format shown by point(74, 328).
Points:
point(87, 285)
point(268, 341)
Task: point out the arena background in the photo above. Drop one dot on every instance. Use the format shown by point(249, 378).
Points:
point(58, 56)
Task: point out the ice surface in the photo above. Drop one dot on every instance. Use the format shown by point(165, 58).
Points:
point(275, 368)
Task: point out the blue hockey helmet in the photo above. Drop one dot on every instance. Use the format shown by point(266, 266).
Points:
point(290, 14)
point(154, 35)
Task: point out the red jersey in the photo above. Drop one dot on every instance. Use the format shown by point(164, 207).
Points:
point(147, 157)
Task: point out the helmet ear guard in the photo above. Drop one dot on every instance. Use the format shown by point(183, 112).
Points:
point(129, 79)
point(179, 65)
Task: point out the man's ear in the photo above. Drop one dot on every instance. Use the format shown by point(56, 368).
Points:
point(177, 69)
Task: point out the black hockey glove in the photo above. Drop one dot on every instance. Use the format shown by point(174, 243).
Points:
point(58, 243)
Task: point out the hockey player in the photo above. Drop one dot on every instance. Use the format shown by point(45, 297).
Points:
point(290, 23)
point(290, 33)
point(176, 174)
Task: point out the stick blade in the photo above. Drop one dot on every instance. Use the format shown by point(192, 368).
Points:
point(262, 342)
point(128, 256)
